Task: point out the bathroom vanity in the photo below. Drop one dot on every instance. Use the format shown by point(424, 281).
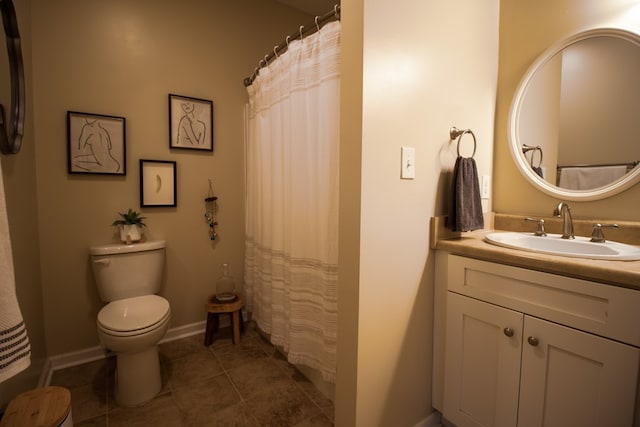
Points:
point(517, 346)
point(526, 338)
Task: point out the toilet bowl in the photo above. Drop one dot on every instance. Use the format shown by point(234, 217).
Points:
point(132, 328)
point(135, 319)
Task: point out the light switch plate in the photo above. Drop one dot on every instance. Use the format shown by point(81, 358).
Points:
point(485, 191)
point(408, 159)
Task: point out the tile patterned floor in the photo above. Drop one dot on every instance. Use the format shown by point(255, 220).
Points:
point(250, 384)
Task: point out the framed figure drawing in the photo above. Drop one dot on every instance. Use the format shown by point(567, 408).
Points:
point(190, 123)
point(157, 183)
point(96, 144)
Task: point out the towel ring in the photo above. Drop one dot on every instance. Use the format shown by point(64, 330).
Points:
point(526, 148)
point(459, 133)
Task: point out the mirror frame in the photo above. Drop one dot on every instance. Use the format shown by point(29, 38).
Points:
point(11, 136)
point(624, 183)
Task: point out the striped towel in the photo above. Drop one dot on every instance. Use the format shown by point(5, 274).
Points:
point(15, 350)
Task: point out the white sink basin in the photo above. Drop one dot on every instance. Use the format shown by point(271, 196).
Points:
point(580, 247)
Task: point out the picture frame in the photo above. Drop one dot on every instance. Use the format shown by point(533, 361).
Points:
point(158, 183)
point(96, 144)
point(190, 123)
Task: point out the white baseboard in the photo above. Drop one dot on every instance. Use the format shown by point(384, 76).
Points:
point(433, 420)
point(91, 354)
point(184, 331)
point(67, 360)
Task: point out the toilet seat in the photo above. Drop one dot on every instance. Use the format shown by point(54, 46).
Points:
point(133, 316)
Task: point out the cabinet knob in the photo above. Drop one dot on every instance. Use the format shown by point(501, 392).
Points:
point(533, 341)
point(508, 332)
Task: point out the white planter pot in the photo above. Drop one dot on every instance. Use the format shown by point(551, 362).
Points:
point(130, 233)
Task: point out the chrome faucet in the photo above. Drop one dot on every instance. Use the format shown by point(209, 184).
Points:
point(563, 211)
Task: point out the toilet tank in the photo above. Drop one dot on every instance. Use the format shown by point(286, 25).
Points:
point(126, 271)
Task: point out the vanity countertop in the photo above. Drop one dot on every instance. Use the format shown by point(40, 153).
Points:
point(473, 245)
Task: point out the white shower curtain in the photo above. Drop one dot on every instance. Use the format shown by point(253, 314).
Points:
point(291, 246)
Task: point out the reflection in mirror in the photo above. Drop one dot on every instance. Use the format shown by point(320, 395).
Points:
point(536, 167)
point(574, 121)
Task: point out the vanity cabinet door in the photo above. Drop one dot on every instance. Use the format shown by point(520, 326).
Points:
point(482, 368)
point(572, 378)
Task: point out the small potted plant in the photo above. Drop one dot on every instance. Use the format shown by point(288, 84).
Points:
point(130, 226)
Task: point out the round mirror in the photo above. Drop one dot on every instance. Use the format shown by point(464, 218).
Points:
point(574, 129)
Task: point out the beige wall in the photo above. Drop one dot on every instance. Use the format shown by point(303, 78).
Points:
point(349, 215)
point(526, 30)
point(427, 66)
point(123, 58)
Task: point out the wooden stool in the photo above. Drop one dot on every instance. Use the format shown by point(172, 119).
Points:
point(216, 308)
point(42, 407)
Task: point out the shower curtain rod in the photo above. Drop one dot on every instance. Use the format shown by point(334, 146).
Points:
point(331, 16)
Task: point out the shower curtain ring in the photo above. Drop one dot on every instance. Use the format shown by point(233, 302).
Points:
point(286, 40)
point(335, 11)
point(275, 50)
point(317, 26)
point(301, 28)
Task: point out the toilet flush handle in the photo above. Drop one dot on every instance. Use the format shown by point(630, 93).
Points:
point(104, 261)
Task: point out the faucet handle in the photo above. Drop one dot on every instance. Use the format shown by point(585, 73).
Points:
point(540, 231)
point(598, 236)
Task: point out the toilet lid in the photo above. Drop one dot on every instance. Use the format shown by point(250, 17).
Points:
point(131, 314)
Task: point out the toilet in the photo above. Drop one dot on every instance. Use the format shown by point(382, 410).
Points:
point(135, 319)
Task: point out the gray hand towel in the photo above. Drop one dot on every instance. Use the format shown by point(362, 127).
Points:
point(466, 205)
